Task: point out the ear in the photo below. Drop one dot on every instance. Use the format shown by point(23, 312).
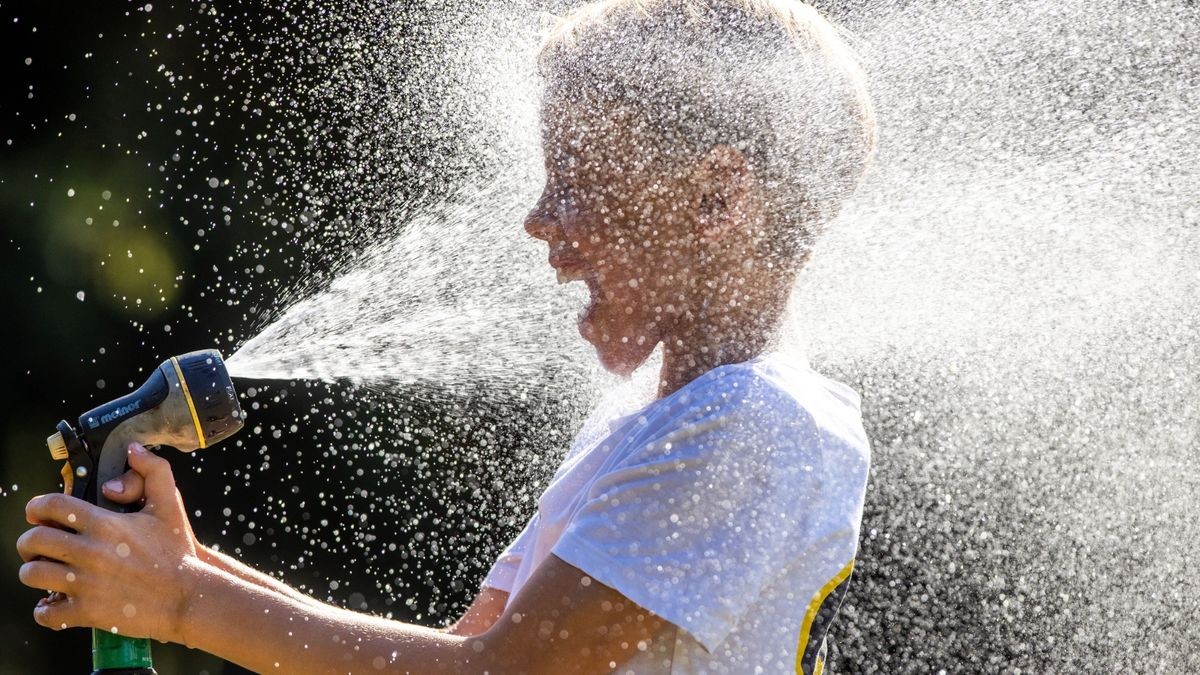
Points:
point(722, 177)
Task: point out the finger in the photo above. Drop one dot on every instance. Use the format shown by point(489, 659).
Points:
point(58, 614)
point(126, 488)
point(48, 575)
point(60, 509)
point(50, 542)
point(156, 473)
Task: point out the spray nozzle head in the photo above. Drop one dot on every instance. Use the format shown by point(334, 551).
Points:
point(212, 399)
point(188, 402)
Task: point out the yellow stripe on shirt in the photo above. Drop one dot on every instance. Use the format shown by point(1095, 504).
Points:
point(811, 614)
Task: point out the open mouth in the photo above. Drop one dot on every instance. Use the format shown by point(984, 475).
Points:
point(593, 300)
point(569, 270)
point(566, 276)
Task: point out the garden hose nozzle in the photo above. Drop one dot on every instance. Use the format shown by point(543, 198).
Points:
point(187, 403)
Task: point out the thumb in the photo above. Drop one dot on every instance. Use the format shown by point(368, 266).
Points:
point(125, 489)
point(156, 473)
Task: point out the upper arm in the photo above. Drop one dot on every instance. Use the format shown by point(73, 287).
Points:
point(483, 612)
point(562, 621)
point(493, 596)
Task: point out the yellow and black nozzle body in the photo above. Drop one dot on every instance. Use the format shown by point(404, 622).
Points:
point(187, 403)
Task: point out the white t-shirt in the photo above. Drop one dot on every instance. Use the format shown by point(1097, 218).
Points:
point(730, 508)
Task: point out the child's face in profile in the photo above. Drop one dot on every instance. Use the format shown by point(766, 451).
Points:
point(618, 219)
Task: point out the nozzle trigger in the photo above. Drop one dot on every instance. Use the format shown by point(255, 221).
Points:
point(68, 477)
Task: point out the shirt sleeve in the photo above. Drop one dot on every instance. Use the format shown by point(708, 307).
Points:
point(504, 570)
point(695, 522)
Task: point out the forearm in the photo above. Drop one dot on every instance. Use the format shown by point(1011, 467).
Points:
point(268, 631)
point(247, 573)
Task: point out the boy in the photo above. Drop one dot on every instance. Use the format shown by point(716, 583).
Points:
point(693, 152)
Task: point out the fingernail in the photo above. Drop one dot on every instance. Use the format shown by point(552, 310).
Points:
point(137, 447)
point(115, 486)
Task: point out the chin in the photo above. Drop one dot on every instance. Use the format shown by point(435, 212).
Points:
point(616, 357)
point(617, 364)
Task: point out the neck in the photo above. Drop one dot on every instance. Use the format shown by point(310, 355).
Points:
point(736, 323)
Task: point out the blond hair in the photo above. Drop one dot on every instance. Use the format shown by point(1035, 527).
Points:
point(772, 78)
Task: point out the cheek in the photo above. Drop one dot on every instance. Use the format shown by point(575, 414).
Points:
point(649, 275)
point(642, 257)
point(631, 310)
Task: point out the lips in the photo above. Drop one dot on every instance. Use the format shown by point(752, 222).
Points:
point(568, 268)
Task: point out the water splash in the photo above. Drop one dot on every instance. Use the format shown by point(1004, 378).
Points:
point(466, 313)
point(1013, 291)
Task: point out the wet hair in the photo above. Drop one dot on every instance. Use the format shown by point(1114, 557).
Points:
point(771, 78)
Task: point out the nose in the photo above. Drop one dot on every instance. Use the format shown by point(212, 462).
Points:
point(541, 221)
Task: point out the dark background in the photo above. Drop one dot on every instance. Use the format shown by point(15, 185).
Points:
point(134, 116)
